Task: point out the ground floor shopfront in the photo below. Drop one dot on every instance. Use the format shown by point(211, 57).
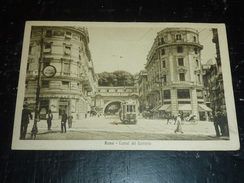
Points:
point(183, 101)
point(77, 106)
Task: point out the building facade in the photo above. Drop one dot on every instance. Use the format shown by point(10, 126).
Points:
point(142, 85)
point(214, 80)
point(66, 50)
point(105, 96)
point(175, 74)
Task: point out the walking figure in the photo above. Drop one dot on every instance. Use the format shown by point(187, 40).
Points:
point(34, 130)
point(63, 122)
point(49, 118)
point(217, 121)
point(168, 116)
point(178, 121)
point(26, 114)
point(70, 118)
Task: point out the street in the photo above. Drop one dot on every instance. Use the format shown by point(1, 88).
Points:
point(111, 128)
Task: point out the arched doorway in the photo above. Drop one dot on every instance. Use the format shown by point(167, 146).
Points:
point(112, 108)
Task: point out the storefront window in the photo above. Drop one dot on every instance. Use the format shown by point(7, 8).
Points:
point(183, 93)
point(199, 94)
point(167, 94)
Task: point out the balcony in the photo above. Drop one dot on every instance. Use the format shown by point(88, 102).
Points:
point(87, 84)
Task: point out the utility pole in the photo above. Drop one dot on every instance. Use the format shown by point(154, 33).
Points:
point(37, 106)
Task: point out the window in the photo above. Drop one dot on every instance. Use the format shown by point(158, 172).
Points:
point(167, 94)
point(184, 102)
point(164, 78)
point(162, 40)
point(47, 48)
point(28, 67)
point(58, 33)
point(183, 93)
point(199, 94)
point(163, 52)
point(46, 62)
point(197, 63)
point(180, 61)
point(164, 63)
point(182, 76)
point(68, 35)
point(67, 50)
point(198, 78)
point(45, 84)
point(65, 85)
point(49, 33)
point(194, 39)
point(66, 69)
point(178, 37)
point(179, 49)
point(130, 108)
point(195, 50)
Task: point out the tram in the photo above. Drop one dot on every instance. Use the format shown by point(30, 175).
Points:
point(128, 112)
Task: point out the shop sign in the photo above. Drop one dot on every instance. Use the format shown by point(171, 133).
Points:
point(63, 103)
point(49, 71)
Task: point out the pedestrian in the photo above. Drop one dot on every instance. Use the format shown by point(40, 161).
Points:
point(168, 117)
point(26, 115)
point(49, 117)
point(70, 119)
point(225, 123)
point(217, 121)
point(178, 121)
point(63, 122)
point(175, 118)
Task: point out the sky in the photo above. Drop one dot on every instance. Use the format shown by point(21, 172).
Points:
point(126, 48)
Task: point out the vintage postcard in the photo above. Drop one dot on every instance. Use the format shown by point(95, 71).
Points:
point(125, 86)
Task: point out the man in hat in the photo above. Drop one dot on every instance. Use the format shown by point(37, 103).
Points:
point(26, 114)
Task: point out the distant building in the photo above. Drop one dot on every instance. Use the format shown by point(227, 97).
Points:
point(175, 74)
point(65, 49)
point(214, 80)
point(142, 85)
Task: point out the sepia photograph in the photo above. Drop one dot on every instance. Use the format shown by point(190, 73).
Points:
point(125, 86)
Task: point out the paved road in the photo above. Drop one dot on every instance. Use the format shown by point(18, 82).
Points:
point(110, 128)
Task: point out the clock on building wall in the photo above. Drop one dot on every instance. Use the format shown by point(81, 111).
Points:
point(49, 71)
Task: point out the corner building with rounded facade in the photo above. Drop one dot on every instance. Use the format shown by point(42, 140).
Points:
point(175, 74)
point(66, 49)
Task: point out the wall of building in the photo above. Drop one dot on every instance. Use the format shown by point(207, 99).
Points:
point(174, 66)
point(65, 48)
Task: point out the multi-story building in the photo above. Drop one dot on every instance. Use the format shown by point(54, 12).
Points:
point(214, 80)
point(142, 85)
point(175, 73)
point(66, 50)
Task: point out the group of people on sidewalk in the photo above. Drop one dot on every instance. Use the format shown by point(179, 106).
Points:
point(26, 116)
point(221, 124)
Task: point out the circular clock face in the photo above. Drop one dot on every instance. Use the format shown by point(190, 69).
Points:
point(49, 71)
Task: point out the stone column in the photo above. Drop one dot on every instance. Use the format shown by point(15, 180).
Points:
point(194, 102)
point(174, 101)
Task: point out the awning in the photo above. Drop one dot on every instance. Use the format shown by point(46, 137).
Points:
point(185, 107)
point(202, 107)
point(164, 108)
point(155, 108)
